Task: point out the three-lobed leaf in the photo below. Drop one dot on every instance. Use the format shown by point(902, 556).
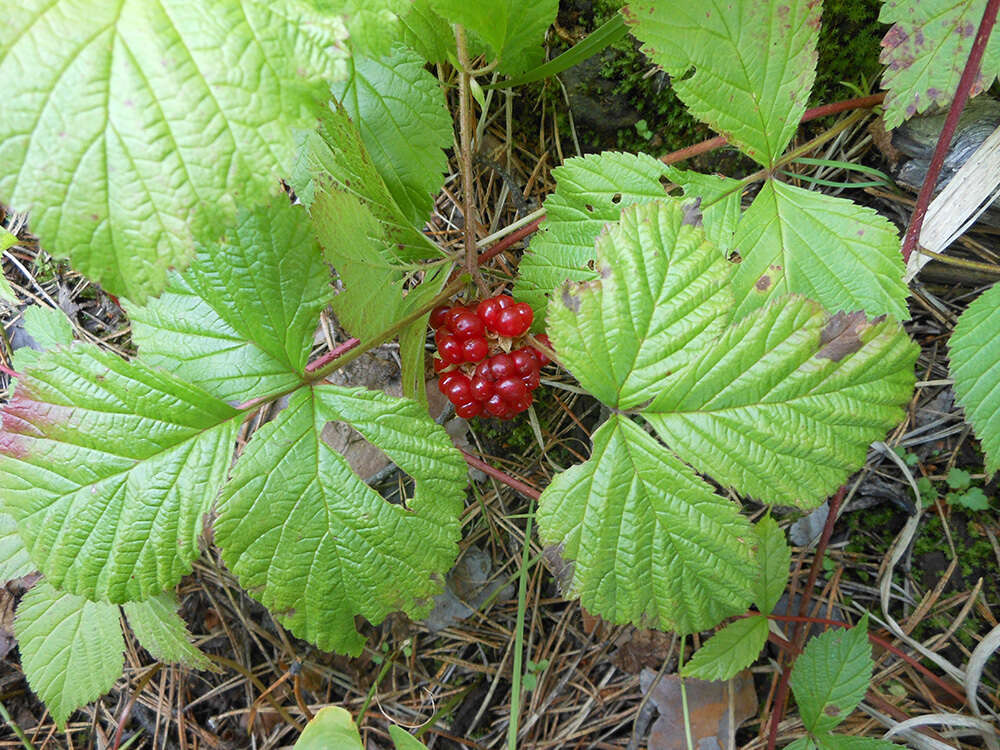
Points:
point(830, 249)
point(754, 64)
point(240, 321)
point(108, 467)
point(72, 649)
point(926, 50)
point(650, 542)
point(310, 540)
point(831, 676)
point(590, 192)
point(131, 127)
point(975, 364)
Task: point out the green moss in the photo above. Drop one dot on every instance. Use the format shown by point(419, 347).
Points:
point(848, 48)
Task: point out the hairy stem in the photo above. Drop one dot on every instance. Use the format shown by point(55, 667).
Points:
point(469, 213)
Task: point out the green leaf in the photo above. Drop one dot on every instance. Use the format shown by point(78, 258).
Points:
point(973, 499)
point(958, 479)
point(802, 743)
point(719, 203)
point(844, 256)
point(404, 740)
point(313, 543)
point(754, 64)
point(590, 191)
point(331, 727)
point(831, 676)
point(661, 297)
point(650, 542)
point(513, 30)
point(240, 321)
point(426, 32)
point(784, 405)
point(926, 50)
point(49, 328)
point(162, 632)
point(372, 24)
point(827, 741)
point(133, 127)
point(730, 650)
point(72, 650)
point(108, 467)
point(334, 158)
point(774, 558)
point(14, 560)
point(7, 240)
point(400, 112)
point(975, 365)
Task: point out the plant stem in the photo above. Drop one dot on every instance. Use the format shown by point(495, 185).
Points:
point(684, 697)
point(514, 484)
point(392, 331)
point(950, 124)
point(465, 160)
point(15, 728)
point(522, 597)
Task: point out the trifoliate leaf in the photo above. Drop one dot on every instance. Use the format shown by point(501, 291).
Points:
point(313, 543)
point(730, 650)
point(108, 467)
point(831, 676)
point(513, 30)
point(48, 327)
point(127, 130)
point(754, 64)
point(926, 50)
point(718, 200)
point(649, 541)
point(72, 649)
point(162, 632)
point(334, 158)
point(785, 403)
point(661, 296)
point(400, 111)
point(590, 191)
point(331, 727)
point(14, 560)
point(240, 321)
point(975, 365)
point(844, 256)
point(774, 558)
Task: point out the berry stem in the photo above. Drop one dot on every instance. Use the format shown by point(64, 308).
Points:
point(469, 213)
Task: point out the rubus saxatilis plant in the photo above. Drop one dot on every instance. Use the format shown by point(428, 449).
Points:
point(758, 346)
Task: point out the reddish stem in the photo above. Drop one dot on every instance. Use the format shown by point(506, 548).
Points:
point(331, 355)
point(882, 643)
point(7, 371)
point(516, 484)
point(781, 696)
point(509, 240)
point(965, 84)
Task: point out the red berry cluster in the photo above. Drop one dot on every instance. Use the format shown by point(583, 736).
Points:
point(474, 381)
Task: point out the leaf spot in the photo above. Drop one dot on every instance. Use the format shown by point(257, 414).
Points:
point(692, 213)
point(842, 335)
point(832, 710)
point(763, 283)
point(571, 302)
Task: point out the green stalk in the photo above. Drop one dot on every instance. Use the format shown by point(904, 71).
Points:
point(15, 728)
point(684, 697)
point(522, 597)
